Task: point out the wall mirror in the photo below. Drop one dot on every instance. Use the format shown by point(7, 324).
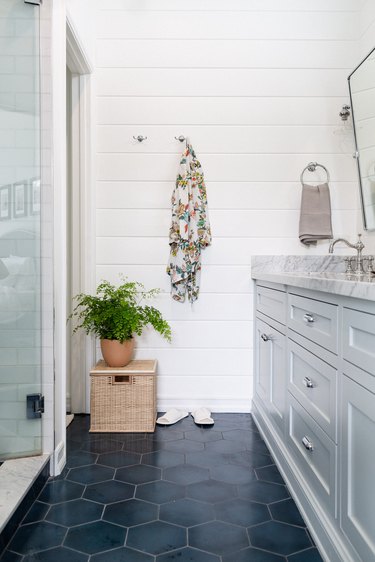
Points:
point(362, 94)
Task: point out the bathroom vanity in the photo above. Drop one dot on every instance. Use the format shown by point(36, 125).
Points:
point(314, 395)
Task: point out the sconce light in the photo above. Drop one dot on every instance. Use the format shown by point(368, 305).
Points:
point(345, 112)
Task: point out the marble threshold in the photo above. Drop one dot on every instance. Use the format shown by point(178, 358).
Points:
point(16, 479)
point(316, 273)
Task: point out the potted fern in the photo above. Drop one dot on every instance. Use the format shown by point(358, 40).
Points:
point(116, 315)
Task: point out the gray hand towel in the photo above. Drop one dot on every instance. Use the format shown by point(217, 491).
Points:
point(315, 219)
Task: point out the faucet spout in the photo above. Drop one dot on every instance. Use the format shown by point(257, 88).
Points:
point(358, 246)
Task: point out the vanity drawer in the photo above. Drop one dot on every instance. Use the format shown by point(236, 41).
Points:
point(359, 339)
point(316, 320)
point(315, 454)
point(272, 303)
point(314, 383)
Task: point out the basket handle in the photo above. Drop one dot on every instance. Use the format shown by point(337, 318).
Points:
point(121, 379)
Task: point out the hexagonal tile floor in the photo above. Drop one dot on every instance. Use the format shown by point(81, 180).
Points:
point(183, 494)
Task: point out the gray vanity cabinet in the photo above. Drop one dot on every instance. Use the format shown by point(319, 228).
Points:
point(358, 467)
point(270, 341)
point(314, 403)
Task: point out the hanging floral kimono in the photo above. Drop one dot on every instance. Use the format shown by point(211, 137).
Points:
point(190, 229)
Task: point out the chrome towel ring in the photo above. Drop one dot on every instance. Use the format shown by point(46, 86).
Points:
point(311, 167)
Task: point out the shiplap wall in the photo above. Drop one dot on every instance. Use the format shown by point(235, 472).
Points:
point(257, 85)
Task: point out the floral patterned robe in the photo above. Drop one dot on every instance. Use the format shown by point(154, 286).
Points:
point(190, 229)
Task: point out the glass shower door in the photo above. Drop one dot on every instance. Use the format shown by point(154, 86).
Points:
point(20, 231)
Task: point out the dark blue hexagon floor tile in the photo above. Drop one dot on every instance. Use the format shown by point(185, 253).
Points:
point(91, 474)
point(187, 512)
point(80, 458)
point(208, 459)
point(211, 491)
point(9, 556)
point(218, 538)
point(75, 512)
point(233, 474)
point(60, 554)
point(130, 512)
point(186, 474)
point(203, 435)
point(183, 446)
point(119, 459)
point(224, 446)
point(60, 491)
point(95, 537)
point(242, 512)
point(163, 459)
point(109, 492)
point(122, 555)
point(101, 446)
point(156, 538)
point(143, 446)
point(37, 536)
point(243, 435)
point(287, 512)
point(187, 555)
point(279, 538)
point(264, 492)
point(37, 512)
point(253, 555)
point(270, 474)
point(311, 555)
point(160, 492)
point(166, 434)
point(251, 458)
point(138, 474)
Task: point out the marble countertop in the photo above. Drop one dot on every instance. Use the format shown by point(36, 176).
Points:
point(317, 273)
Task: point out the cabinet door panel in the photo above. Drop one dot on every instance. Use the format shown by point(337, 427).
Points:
point(314, 383)
point(270, 375)
point(272, 303)
point(359, 339)
point(316, 320)
point(318, 464)
point(358, 462)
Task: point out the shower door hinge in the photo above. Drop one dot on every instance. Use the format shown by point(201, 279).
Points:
point(34, 406)
point(35, 2)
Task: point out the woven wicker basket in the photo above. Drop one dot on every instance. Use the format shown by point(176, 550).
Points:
point(123, 399)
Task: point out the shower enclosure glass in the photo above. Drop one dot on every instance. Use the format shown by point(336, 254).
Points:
point(20, 231)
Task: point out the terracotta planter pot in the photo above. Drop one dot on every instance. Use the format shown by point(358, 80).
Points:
point(117, 354)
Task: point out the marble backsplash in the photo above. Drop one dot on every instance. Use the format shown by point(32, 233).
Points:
point(293, 264)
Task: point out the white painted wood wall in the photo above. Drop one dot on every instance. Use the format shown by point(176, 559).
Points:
point(257, 85)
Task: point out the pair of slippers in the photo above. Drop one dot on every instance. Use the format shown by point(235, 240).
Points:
point(201, 416)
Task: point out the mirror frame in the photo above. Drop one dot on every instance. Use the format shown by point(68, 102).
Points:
point(357, 153)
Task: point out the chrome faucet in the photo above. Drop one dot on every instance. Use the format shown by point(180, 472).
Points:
point(359, 246)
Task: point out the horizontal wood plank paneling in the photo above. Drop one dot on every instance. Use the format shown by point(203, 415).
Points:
point(234, 5)
point(220, 82)
point(244, 195)
point(218, 111)
point(226, 25)
point(177, 53)
point(233, 279)
point(225, 223)
point(222, 140)
point(222, 167)
point(257, 85)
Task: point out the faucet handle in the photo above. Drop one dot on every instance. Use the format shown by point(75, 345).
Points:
point(360, 245)
point(370, 262)
point(348, 265)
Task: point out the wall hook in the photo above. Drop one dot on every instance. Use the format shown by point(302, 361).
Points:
point(139, 138)
point(181, 138)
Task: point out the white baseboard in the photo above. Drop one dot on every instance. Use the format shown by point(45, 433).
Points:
point(219, 406)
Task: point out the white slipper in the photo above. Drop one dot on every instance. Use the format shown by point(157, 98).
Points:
point(172, 416)
point(202, 416)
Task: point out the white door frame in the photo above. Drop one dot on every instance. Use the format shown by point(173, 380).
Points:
point(83, 208)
